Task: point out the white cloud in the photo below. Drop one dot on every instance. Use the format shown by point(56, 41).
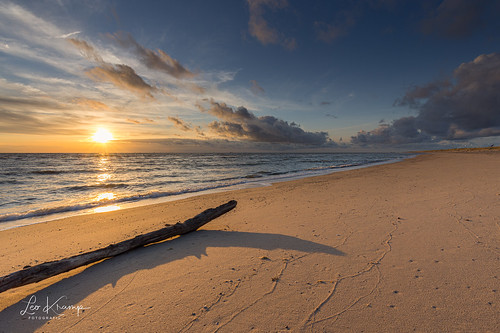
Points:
point(70, 34)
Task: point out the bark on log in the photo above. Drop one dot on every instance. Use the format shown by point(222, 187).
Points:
point(52, 268)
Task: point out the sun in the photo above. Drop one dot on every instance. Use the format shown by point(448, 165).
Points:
point(102, 135)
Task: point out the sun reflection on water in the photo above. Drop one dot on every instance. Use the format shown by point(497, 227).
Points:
point(103, 177)
point(103, 164)
point(105, 196)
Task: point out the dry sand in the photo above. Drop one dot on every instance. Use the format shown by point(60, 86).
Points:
point(408, 246)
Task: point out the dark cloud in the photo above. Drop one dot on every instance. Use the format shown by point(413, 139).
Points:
point(242, 124)
point(463, 108)
point(416, 94)
point(123, 77)
point(158, 60)
point(256, 89)
point(455, 18)
point(403, 130)
point(259, 27)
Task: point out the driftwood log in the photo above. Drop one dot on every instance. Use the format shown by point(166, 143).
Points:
point(42, 271)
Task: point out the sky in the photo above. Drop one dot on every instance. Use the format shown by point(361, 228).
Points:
point(249, 75)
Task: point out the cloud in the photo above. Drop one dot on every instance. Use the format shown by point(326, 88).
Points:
point(454, 18)
point(183, 126)
point(260, 29)
point(92, 104)
point(465, 107)
point(36, 116)
point(414, 95)
point(29, 37)
point(158, 60)
point(400, 131)
point(18, 103)
point(256, 89)
point(143, 121)
point(120, 75)
point(199, 131)
point(19, 22)
point(242, 124)
point(16, 122)
point(27, 123)
point(123, 77)
point(70, 34)
point(88, 51)
point(180, 124)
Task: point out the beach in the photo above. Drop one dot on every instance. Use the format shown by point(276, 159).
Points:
point(408, 246)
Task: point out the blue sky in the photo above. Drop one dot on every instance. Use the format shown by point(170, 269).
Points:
point(249, 75)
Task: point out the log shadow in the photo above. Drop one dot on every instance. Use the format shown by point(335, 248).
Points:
point(111, 270)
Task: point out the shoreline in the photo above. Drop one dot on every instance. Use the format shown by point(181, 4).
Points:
point(17, 223)
point(404, 246)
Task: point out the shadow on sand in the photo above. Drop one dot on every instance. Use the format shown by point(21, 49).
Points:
point(111, 270)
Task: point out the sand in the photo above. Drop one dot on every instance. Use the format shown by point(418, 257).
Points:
point(410, 246)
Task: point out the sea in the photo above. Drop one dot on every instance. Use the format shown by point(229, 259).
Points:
point(42, 187)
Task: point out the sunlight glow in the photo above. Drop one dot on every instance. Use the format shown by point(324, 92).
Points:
point(102, 135)
point(106, 209)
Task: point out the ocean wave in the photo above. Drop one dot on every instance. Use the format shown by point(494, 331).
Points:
point(60, 172)
point(253, 176)
point(10, 182)
point(43, 212)
point(334, 167)
point(96, 186)
point(259, 174)
point(48, 172)
point(95, 204)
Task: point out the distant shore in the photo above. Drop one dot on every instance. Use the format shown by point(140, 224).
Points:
point(413, 245)
point(460, 150)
